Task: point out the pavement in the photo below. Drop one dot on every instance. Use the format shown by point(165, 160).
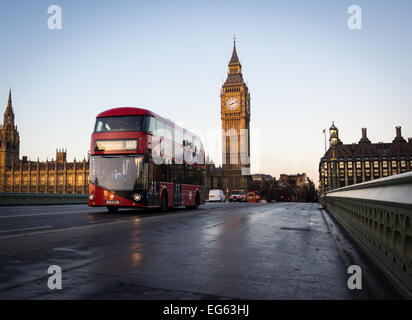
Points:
point(220, 251)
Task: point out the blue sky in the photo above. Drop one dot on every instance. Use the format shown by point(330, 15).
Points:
point(304, 69)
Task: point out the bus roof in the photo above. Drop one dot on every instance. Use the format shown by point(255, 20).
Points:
point(125, 111)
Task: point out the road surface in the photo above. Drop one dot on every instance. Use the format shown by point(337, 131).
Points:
point(220, 251)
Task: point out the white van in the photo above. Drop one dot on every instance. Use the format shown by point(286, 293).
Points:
point(217, 195)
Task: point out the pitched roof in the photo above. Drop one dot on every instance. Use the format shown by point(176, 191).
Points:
point(371, 150)
point(234, 79)
point(234, 59)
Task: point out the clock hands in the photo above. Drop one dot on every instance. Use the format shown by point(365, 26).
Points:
point(232, 102)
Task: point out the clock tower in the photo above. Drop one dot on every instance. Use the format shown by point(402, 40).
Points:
point(235, 115)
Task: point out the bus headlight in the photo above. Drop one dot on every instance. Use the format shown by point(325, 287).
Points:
point(137, 197)
point(91, 196)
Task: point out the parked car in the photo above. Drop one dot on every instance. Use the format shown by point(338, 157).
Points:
point(217, 195)
point(237, 196)
point(253, 196)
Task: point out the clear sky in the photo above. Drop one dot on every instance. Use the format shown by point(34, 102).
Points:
point(304, 68)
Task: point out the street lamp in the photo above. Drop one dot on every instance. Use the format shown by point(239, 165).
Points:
point(333, 142)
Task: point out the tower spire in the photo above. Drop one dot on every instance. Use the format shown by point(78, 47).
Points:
point(234, 59)
point(234, 68)
point(9, 103)
point(9, 114)
point(9, 144)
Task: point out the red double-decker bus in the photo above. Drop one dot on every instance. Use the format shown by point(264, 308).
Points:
point(139, 159)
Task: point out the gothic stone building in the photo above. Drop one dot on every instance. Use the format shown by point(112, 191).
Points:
point(213, 176)
point(22, 175)
point(347, 164)
point(235, 116)
point(297, 180)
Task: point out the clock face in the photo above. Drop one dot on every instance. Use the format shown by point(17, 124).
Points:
point(232, 104)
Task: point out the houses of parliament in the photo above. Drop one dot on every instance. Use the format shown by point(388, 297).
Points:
point(60, 176)
point(22, 175)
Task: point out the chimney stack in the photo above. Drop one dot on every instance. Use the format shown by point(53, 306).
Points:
point(398, 137)
point(398, 132)
point(363, 133)
point(410, 140)
point(364, 138)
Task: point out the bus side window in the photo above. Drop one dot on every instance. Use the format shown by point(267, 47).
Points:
point(198, 176)
point(169, 167)
point(175, 173)
point(168, 132)
point(178, 144)
point(189, 177)
point(168, 141)
point(179, 173)
point(149, 124)
point(163, 172)
point(160, 128)
point(196, 144)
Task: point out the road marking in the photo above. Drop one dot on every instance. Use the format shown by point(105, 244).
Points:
point(46, 214)
point(296, 229)
point(13, 230)
point(64, 229)
point(92, 225)
point(103, 221)
point(96, 225)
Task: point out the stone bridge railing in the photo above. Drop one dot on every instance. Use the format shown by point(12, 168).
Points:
point(12, 199)
point(378, 215)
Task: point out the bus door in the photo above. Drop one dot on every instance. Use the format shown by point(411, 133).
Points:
point(153, 187)
point(177, 194)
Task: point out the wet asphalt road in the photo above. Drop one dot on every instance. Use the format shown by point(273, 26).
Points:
point(220, 251)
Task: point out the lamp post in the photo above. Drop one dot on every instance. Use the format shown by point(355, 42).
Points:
point(333, 142)
point(333, 169)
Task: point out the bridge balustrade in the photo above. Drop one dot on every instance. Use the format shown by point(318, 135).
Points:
point(378, 216)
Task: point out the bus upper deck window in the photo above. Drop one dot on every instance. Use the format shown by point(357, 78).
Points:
point(149, 124)
point(119, 123)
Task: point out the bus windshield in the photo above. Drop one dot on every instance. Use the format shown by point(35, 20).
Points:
point(119, 173)
point(119, 123)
